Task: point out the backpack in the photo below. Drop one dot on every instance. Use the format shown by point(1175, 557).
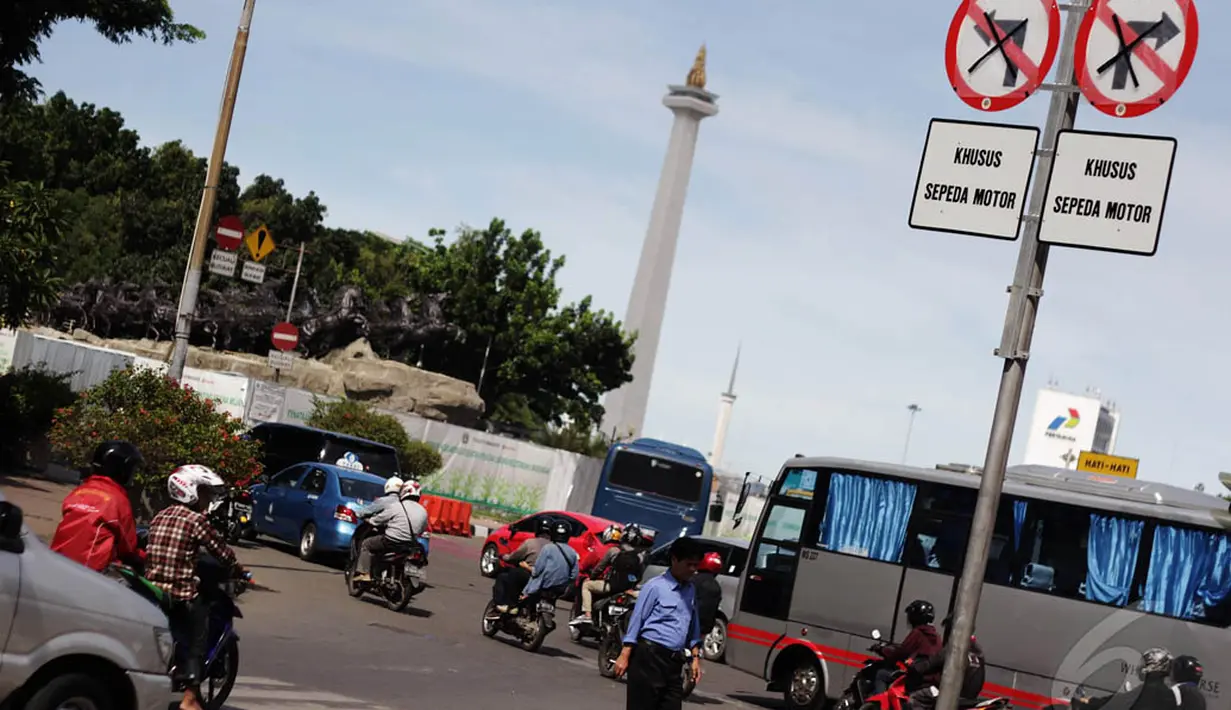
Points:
point(625, 571)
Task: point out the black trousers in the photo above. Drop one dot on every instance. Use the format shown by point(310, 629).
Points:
point(508, 585)
point(655, 678)
point(190, 627)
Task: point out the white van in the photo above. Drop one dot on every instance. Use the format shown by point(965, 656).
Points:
point(70, 637)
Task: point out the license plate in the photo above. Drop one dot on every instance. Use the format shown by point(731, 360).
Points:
point(617, 610)
point(416, 573)
point(243, 509)
point(546, 606)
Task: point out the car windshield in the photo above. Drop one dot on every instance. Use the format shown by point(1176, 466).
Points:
point(656, 476)
point(361, 490)
point(358, 456)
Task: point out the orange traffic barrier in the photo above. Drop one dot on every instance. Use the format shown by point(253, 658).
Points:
point(463, 519)
point(447, 516)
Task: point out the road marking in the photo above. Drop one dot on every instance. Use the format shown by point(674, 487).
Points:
point(251, 693)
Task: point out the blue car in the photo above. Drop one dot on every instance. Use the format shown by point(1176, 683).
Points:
point(315, 505)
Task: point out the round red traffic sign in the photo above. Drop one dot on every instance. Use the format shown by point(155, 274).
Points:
point(1130, 64)
point(229, 233)
point(998, 52)
point(285, 337)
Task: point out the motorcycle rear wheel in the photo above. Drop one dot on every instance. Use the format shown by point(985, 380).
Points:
point(399, 595)
point(608, 651)
point(534, 641)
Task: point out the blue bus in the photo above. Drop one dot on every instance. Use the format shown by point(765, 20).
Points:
point(656, 484)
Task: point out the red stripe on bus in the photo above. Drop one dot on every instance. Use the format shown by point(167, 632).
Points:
point(773, 641)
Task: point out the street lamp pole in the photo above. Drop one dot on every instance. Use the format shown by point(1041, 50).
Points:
point(913, 409)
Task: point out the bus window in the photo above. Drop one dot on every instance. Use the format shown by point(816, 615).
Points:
point(661, 477)
point(798, 483)
point(1002, 555)
point(867, 517)
point(1189, 575)
point(771, 564)
point(940, 528)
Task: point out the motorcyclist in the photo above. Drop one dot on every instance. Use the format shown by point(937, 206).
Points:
point(96, 525)
point(1152, 694)
point(923, 641)
point(393, 486)
point(709, 591)
point(513, 578)
point(176, 537)
point(1186, 672)
point(556, 567)
point(618, 570)
point(926, 671)
point(401, 521)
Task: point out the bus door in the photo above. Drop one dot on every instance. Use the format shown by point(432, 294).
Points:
point(769, 579)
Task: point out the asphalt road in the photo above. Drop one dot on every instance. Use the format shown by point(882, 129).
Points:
point(306, 644)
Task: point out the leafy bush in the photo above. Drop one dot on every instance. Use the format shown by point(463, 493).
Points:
point(29, 398)
point(347, 416)
point(170, 424)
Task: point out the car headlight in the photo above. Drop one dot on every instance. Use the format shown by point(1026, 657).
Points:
point(165, 643)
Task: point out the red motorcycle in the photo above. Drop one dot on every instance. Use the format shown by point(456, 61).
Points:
point(898, 698)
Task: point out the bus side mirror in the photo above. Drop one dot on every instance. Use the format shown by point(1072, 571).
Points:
point(716, 513)
point(743, 499)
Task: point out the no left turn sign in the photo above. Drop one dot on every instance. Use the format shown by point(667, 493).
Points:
point(998, 52)
point(1132, 55)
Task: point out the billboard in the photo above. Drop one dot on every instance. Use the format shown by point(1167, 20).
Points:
point(1063, 426)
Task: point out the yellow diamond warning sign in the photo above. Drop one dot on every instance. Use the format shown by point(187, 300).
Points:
point(260, 243)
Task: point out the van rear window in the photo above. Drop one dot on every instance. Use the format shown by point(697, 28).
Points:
point(362, 457)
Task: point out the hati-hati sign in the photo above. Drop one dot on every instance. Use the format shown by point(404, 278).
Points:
point(1107, 192)
point(973, 178)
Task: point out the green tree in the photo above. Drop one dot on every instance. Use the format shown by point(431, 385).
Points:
point(503, 294)
point(25, 23)
point(30, 226)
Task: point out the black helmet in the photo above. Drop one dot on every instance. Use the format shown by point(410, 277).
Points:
point(545, 527)
point(117, 460)
point(561, 531)
point(1186, 669)
point(920, 612)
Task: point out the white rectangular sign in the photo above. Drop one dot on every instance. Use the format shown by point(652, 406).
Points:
point(279, 360)
point(973, 178)
point(1107, 192)
point(253, 272)
point(223, 263)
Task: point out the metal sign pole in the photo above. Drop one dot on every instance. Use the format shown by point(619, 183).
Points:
point(1014, 347)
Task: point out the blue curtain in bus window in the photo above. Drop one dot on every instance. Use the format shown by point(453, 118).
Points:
point(1020, 507)
point(1111, 558)
point(867, 516)
point(1187, 572)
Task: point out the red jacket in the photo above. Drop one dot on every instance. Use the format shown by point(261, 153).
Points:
point(96, 526)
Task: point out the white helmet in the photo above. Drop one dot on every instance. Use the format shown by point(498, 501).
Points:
point(393, 484)
point(411, 490)
point(185, 482)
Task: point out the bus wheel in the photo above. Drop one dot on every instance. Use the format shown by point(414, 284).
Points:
point(804, 690)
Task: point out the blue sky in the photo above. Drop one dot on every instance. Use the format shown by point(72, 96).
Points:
point(405, 116)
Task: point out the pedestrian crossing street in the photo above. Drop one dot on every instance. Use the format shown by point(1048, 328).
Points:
point(252, 693)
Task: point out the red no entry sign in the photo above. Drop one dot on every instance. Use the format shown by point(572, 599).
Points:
point(999, 51)
point(285, 337)
point(229, 233)
point(1132, 55)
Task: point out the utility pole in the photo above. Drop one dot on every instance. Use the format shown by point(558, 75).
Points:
point(290, 306)
point(913, 409)
point(1014, 347)
point(209, 194)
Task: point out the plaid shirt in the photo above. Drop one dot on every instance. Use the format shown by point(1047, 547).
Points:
point(176, 537)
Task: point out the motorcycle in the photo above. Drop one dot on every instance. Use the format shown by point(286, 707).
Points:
point(611, 623)
point(896, 697)
point(233, 515)
point(222, 656)
point(398, 574)
point(529, 621)
point(863, 685)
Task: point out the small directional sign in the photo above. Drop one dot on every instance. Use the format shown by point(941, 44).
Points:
point(1133, 55)
point(223, 263)
point(260, 243)
point(253, 272)
point(999, 51)
point(279, 360)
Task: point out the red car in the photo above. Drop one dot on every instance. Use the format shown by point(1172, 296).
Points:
point(505, 539)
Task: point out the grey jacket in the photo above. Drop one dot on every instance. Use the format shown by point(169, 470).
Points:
point(402, 521)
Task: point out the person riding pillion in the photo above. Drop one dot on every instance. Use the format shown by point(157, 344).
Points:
point(506, 589)
point(709, 591)
point(930, 668)
point(556, 567)
point(1186, 674)
point(96, 525)
point(175, 539)
point(401, 522)
point(618, 570)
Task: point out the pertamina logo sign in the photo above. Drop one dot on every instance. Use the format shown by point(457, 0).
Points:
point(1061, 426)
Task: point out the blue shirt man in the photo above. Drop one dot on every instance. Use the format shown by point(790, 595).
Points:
point(556, 566)
point(664, 623)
